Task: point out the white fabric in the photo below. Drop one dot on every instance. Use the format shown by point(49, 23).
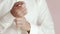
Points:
point(20, 0)
point(38, 16)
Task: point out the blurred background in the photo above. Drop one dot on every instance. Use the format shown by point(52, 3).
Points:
point(54, 7)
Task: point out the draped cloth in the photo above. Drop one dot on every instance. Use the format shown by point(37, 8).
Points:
point(38, 16)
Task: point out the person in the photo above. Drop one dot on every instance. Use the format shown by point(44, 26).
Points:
point(19, 11)
point(38, 16)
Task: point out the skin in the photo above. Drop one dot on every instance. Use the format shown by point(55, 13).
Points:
point(19, 11)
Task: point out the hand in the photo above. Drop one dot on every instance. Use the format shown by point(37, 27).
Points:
point(22, 23)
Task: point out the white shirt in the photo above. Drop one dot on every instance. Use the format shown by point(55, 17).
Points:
point(38, 16)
